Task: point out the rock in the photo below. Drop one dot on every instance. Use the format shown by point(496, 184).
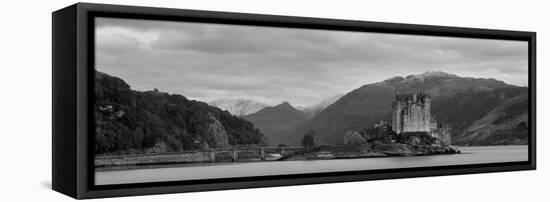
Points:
point(217, 132)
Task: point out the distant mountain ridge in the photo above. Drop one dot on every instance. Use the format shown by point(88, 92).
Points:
point(437, 83)
point(276, 119)
point(459, 101)
point(238, 107)
point(313, 110)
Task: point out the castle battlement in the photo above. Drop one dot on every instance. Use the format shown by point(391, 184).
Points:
point(415, 97)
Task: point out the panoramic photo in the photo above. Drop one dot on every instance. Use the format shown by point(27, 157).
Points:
point(186, 101)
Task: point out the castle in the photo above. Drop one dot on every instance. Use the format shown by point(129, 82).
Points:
point(412, 113)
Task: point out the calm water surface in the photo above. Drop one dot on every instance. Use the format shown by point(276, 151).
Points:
point(470, 155)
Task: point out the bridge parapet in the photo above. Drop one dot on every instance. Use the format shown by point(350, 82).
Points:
point(207, 155)
point(262, 152)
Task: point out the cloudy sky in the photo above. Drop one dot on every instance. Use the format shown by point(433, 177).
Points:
point(271, 65)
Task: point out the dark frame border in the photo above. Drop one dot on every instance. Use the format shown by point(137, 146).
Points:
point(73, 97)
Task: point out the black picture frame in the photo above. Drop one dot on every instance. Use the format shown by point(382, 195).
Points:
point(72, 64)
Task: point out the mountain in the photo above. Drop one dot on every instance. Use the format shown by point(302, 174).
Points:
point(272, 121)
point(438, 83)
point(130, 122)
point(315, 109)
point(238, 107)
point(460, 101)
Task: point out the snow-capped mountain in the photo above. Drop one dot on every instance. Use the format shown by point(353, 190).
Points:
point(432, 74)
point(238, 107)
point(315, 109)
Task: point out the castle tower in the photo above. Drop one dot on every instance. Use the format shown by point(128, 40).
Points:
point(411, 113)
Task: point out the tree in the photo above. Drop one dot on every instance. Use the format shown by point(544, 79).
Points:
point(415, 138)
point(310, 141)
point(353, 138)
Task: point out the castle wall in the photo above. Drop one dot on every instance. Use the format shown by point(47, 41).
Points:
point(411, 113)
point(443, 135)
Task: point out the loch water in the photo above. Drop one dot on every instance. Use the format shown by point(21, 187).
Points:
point(469, 155)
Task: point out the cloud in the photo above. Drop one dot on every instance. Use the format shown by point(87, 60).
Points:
point(213, 61)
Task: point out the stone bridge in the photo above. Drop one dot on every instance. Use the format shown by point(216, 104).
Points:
point(261, 151)
point(198, 156)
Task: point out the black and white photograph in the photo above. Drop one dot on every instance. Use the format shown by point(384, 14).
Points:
point(275, 101)
point(180, 101)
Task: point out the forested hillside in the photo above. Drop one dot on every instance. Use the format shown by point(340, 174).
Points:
point(129, 122)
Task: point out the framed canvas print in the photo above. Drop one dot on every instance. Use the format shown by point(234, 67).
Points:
point(154, 100)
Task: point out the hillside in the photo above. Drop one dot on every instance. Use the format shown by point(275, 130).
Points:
point(477, 116)
point(273, 121)
point(505, 124)
point(129, 121)
point(313, 110)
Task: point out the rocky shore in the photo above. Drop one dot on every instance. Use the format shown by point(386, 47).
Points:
point(381, 150)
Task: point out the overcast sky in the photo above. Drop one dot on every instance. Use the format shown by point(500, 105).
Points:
point(302, 66)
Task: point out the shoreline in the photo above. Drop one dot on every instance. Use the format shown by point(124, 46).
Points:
point(203, 158)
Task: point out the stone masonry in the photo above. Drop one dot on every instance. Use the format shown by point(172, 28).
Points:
point(412, 113)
